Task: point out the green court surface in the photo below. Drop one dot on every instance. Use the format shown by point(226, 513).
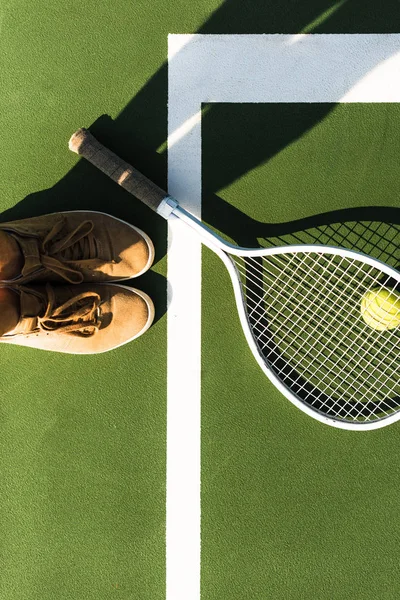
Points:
point(291, 509)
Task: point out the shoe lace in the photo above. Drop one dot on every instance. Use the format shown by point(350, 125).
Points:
point(77, 245)
point(61, 251)
point(79, 315)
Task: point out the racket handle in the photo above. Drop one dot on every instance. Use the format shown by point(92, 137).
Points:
point(84, 143)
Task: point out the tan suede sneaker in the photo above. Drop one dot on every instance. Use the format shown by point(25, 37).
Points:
point(82, 319)
point(79, 246)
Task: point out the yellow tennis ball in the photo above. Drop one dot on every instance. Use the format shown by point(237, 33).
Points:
point(380, 309)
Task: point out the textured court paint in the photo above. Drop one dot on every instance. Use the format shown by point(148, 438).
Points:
point(184, 345)
point(289, 68)
point(291, 509)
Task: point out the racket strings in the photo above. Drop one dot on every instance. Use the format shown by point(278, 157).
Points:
point(326, 346)
point(305, 388)
point(345, 313)
point(326, 308)
point(328, 365)
point(338, 373)
point(304, 310)
point(311, 313)
point(335, 374)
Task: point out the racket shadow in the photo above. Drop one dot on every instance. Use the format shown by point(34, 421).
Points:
point(372, 230)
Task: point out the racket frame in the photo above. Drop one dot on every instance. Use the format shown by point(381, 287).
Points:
point(223, 249)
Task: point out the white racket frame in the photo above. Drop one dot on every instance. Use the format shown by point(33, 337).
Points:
point(84, 143)
point(223, 249)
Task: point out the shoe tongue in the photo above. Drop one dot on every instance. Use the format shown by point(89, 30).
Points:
point(35, 262)
point(30, 250)
point(31, 306)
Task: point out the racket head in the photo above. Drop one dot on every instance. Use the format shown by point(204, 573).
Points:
point(300, 309)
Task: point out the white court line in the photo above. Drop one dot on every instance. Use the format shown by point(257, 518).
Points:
point(234, 68)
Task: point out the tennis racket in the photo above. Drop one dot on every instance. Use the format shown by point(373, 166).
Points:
point(300, 307)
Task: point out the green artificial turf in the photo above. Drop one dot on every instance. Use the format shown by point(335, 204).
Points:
point(83, 439)
point(291, 508)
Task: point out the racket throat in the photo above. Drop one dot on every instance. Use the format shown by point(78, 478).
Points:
point(167, 207)
point(208, 237)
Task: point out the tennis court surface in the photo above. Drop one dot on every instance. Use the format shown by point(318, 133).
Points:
point(171, 468)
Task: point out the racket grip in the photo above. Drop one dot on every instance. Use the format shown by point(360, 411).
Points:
point(85, 144)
